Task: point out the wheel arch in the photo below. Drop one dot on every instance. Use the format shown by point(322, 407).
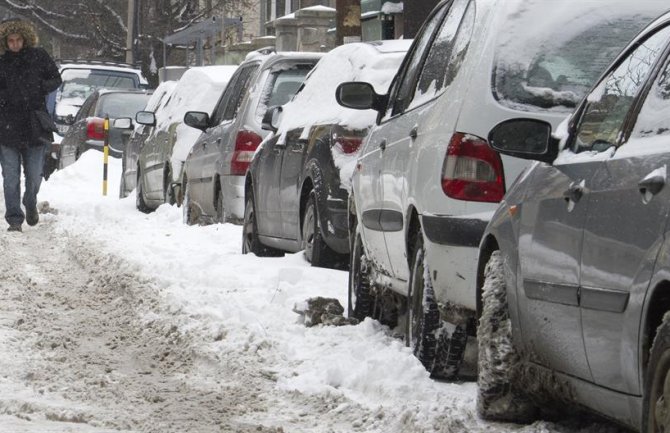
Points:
point(487, 246)
point(305, 190)
point(658, 303)
point(216, 189)
point(413, 227)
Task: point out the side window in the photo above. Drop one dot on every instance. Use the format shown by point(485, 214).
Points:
point(654, 117)
point(280, 86)
point(86, 110)
point(217, 114)
point(608, 105)
point(402, 93)
point(240, 91)
point(446, 52)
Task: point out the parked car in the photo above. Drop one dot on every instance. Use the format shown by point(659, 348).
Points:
point(297, 185)
point(82, 79)
point(159, 165)
point(427, 182)
point(87, 130)
point(575, 293)
point(140, 133)
point(214, 170)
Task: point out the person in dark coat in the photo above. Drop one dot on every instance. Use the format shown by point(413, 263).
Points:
point(27, 76)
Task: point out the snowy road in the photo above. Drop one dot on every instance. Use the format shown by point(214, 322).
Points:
point(115, 321)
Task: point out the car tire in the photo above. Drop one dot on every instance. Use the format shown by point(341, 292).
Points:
point(220, 209)
point(361, 301)
point(250, 241)
point(656, 403)
point(168, 190)
point(140, 203)
point(423, 316)
point(122, 186)
point(498, 396)
point(317, 252)
point(188, 211)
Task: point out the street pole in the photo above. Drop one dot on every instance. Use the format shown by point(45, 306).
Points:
point(348, 25)
point(131, 33)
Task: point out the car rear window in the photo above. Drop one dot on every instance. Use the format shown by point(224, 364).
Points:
point(117, 105)
point(80, 83)
point(567, 52)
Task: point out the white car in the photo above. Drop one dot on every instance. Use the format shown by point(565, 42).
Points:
point(82, 79)
point(427, 182)
point(162, 156)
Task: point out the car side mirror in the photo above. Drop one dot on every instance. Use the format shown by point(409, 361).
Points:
point(197, 119)
point(271, 118)
point(526, 139)
point(69, 119)
point(145, 118)
point(358, 95)
point(123, 123)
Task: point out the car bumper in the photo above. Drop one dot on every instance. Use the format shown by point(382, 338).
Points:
point(459, 232)
point(233, 196)
point(335, 225)
point(99, 144)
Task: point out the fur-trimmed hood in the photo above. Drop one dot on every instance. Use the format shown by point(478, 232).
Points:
point(23, 28)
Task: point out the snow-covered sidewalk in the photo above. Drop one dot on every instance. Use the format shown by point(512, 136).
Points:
point(237, 309)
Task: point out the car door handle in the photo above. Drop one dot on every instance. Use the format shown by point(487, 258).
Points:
point(574, 192)
point(382, 145)
point(651, 184)
point(414, 132)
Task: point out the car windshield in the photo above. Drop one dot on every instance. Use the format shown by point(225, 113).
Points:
point(80, 83)
point(555, 67)
point(117, 105)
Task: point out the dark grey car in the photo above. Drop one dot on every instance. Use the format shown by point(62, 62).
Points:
point(213, 175)
point(87, 130)
point(575, 297)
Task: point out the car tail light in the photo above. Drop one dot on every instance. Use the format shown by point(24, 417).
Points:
point(348, 145)
point(472, 170)
point(95, 129)
point(246, 143)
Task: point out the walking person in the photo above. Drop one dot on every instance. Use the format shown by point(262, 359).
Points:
point(27, 76)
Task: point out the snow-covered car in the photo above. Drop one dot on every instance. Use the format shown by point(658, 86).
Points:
point(161, 158)
point(574, 299)
point(140, 133)
point(87, 131)
point(213, 180)
point(82, 79)
point(297, 185)
point(427, 182)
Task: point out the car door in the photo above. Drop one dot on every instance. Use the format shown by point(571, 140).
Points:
point(416, 130)
point(205, 153)
point(627, 212)
point(375, 168)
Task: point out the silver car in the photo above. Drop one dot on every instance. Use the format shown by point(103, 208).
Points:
point(427, 182)
point(575, 297)
point(213, 179)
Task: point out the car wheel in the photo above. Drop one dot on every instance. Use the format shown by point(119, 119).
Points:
point(190, 216)
point(317, 251)
point(122, 186)
point(168, 189)
point(140, 204)
point(361, 301)
point(656, 415)
point(498, 397)
point(220, 210)
point(250, 241)
point(423, 318)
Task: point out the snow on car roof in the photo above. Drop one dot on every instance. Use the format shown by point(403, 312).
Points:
point(375, 63)
point(102, 67)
